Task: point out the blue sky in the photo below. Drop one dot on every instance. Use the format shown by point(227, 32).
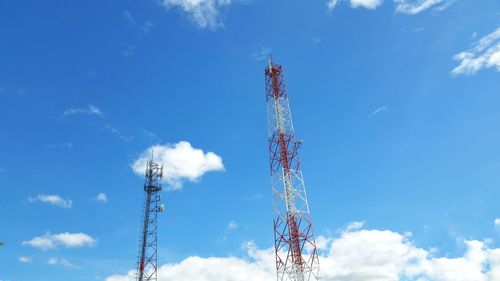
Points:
point(397, 103)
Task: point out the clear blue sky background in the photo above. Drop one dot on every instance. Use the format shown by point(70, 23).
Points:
point(427, 162)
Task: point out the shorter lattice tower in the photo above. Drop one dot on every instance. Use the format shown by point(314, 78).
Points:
point(147, 265)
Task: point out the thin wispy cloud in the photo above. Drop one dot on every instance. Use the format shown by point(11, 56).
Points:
point(25, 259)
point(145, 27)
point(444, 6)
point(379, 110)
point(61, 262)
point(413, 7)
point(485, 53)
point(90, 110)
point(354, 226)
point(53, 199)
point(150, 135)
point(253, 197)
point(118, 133)
point(261, 53)
point(180, 161)
point(203, 13)
point(66, 239)
point(65, 145)
point(410, 7)
point(316, 40)
point(331, 4)
point(128, 50)
point(128, 16)
point(367, 4)
point(232, 225)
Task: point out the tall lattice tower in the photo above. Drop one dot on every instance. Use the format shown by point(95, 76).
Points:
point(295, 245)
point(147, 265)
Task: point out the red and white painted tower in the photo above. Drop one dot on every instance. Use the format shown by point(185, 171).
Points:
point(295, 245)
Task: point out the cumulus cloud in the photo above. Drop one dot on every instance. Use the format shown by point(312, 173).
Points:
point(354, 255)
point(497, 222)
point(68, 240)
point(485, 53)
point(367, 4)
point(180, 162)
point(90, 110)
point(204, 13)
point(413, 7)
point(102, 197)
point(55, 200)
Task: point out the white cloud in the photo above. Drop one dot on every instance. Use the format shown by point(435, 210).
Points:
point(127, 15)
point(150, 135)
point(147, 27)
point(90, 110)
point(118, 133)
point(497, 222)
point(331, 4)
point(355, 255)
point(413, 7)
point(66, 145)
point(356, 225)
point(25, 259)
point(485, 53)
point(180, 161)
point(379, 110)
point(68, 240)
point(204, 13)
point(128, 50)
point(262, 53)
point(367, 4)
point(62, 262)
point(55, 200)
point(102, 197)
point(232, 225)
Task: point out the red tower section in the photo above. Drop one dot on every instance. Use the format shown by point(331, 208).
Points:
point(295, 246)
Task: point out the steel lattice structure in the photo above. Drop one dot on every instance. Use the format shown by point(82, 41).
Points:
point(147, 265)
point(295, 245)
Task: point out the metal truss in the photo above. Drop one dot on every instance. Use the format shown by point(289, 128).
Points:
point(147, 265)
point(295, 246)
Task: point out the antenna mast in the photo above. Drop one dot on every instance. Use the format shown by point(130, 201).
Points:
point(147, 265)
point(295, 245)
